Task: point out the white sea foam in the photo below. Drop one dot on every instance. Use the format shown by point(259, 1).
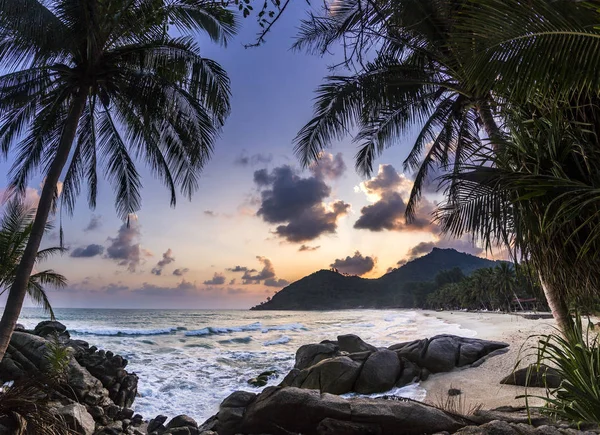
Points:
point(123, 331)
point(288, 327)
point(224, 330)
point(281, 340)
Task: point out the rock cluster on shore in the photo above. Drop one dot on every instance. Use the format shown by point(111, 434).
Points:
point(103, 391)
point(351, 365)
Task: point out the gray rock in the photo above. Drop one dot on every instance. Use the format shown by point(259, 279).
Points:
point(410, 373)
point(335, 375)
point(400, 417)
point(87, 388)
point(352, 344)
point(330, 426)
point(238, 399)
point(182, 421)
point(48, 327)
point(77, 418)
point(532, 377)
point(157, 423)
point(379, 372)
point(311, 354)
point(19, 327)
point(279, 411)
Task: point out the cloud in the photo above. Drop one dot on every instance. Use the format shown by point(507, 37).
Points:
point(400, 263)
point(297, 204)
point(268, 271)
point(167, 258)
point(184, 288)
point(114, 288)
point(210, 213)
point(355, 265)
point(276, 282)
point(87, 251)
point(125, 248)
point(267, 275)
point(217, 279)
point(388, 210)
point(329, 167)
point(31, 197)
point(181, 272)
point(306, 248)
point(240, 269)
point(232, 282)
point(94, 223)
point(244, 159)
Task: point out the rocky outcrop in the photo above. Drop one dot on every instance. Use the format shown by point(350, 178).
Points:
point(96, 393)
point(279, 411)
point(351, 365)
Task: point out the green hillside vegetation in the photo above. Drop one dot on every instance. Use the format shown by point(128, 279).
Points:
point(405, 287)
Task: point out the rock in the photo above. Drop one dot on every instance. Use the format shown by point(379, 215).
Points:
point(87, 388)
point(77, 418)
point(310, 354)
point(182, 421)
point(157, 423)
point(379, 372)
point(532, 377)
point(335, 375)
point(279, 411)
point(352, 344)
point(238, 399)
point(443, 353)
point(330, 426)
point(410, 373)
point(49, 327)
point(31, 347)
point(19, 327)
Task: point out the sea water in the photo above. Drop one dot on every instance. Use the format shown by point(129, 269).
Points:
point(189, 361)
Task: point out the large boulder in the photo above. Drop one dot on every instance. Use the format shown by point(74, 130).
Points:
point(335, 375)
point(379, 372)
point(443, 353)
point(77, 418)
point(534, 376)
point(352, 344)
point(310, 354)
point(279, 411)
point(48, 327)
point(87, 388)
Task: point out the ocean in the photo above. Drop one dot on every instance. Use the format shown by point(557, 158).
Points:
point(189, 361)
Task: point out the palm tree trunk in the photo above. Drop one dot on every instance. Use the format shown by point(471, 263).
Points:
point(14, 303)
point(489, 123)
point(558, 307)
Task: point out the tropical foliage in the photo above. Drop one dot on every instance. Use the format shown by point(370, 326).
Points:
point(492, 289)
point(104, 85)
point(15, 228)
point(576, 357)
point(505, 94)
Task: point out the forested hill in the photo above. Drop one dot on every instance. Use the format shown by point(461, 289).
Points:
point(405, 287)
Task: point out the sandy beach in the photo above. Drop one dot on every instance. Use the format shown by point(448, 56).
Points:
point(481, 385)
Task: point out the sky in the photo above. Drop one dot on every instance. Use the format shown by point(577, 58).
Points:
point(258, 221)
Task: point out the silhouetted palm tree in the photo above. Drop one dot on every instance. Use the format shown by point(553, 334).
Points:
point(95, 83)
point(15, 228)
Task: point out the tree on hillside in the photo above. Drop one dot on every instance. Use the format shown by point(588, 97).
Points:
point(15, 229)
point(455, 68)
point(103, 83)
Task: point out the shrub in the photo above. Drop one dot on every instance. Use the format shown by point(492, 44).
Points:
point(576, 357)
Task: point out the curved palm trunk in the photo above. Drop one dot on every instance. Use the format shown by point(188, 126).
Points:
point(18, 290)
point(558, 307)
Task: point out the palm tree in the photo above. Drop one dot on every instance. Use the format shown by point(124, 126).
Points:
point(15, 229)
point(104, 83)
point(418, 76)
point(493, 54)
